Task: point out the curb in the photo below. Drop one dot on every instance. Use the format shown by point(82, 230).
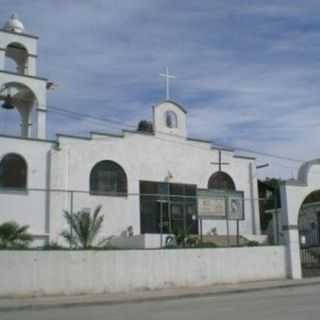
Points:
point(223, 292)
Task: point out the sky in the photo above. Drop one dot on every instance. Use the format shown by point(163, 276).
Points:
point(248, 72)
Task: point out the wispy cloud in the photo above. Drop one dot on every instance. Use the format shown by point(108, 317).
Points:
point(248, 72)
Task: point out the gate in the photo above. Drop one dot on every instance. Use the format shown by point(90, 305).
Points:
point(310, 252)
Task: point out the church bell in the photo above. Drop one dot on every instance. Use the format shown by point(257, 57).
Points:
point(7, 104)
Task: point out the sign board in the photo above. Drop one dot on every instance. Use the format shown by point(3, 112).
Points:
point(211, 205)
point(235, 207)
point(219, 204)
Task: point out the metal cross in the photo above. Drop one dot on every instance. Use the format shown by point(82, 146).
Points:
point(168, 77)
point(220, 163)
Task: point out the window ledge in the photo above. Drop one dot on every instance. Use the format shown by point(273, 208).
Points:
point(109, 194)
point(14, 190)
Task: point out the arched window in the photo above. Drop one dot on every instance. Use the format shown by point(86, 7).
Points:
point(13, 172)
point(108, 177)
point(16, 58)
point(221, 181)
point(171, 119)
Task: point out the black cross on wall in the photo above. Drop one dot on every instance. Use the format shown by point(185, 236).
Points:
point(220, 163)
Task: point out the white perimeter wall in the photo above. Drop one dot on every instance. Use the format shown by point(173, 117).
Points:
point(79, 272)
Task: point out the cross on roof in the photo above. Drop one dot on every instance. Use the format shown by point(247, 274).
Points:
point(168, 77)
point(220, 163)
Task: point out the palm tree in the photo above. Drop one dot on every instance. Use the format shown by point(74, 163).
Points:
point(14, 236)
point(84, 228)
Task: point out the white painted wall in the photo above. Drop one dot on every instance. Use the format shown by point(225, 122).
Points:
point(141, 241)
point(28, 207)
point(143, 157)
point(293, 194)
point(29, 80)
point(62, 272)
point(159, 119)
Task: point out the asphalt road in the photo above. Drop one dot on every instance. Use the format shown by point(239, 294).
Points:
point(300, 303)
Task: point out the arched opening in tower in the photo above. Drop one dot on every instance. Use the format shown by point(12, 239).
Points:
point(16, 58)
point(17, 107)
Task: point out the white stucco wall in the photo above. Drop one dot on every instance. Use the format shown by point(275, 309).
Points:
point(143, 157)
point(58, 272)
point(28, 42)
point(28, 207)
point(293, 194)
point(159, 119)
point(28, 78)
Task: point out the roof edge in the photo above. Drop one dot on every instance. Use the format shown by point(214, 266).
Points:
point(175, 103)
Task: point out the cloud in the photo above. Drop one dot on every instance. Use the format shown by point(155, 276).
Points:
point(248, 72)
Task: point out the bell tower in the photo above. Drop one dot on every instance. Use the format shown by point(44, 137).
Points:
point(21, 89)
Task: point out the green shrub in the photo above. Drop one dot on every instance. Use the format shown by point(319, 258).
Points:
point(253, 244)
point(84, 229)
point(13, 236)
point(206, 245)
point(53, 245)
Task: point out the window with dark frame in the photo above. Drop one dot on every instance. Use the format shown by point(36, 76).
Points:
point(13, 172)
point(221, 181)
point(107, 177)
point(175, 202)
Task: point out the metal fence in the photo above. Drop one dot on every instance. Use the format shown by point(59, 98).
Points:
point(205, 216)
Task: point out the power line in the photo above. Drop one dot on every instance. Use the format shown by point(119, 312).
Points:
point(85, 115)
point(119, 123)
point(268, 155)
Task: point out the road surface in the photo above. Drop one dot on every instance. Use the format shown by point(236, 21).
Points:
point(300, 303)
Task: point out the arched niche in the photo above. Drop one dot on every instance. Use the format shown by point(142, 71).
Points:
point(17, 97)
point(16, 58)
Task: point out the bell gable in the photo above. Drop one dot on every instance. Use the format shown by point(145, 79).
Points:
point(170, 118)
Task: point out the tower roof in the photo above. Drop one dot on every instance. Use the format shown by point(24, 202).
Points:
point(14, 24)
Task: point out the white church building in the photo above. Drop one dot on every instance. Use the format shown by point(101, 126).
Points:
point(148, 181)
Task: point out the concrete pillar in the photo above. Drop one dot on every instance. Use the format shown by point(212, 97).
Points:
point(41, 123)
point(275, 226)
point(256, 227)
point(293, 251)
point(291, 235)
point(26, 122)
point(31, 66)
point(42, 114)
point(2, 59)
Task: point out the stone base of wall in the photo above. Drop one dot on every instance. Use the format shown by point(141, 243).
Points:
point(87, 272)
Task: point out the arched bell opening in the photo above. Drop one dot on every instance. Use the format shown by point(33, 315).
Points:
point(16, 58)
point(309, 234)
point(17, 97)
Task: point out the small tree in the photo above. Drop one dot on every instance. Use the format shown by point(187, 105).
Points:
point(84, 229)
point(14, 236)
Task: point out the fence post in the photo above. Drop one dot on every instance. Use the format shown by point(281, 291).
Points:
point(161, 225)
point(238, 233)
point(71, 213)
point(227, 220)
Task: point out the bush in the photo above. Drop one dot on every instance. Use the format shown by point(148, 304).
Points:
point(206, 245)
point(253, 244)
point(13, 236)
point(84, 229)
point(53, 245)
